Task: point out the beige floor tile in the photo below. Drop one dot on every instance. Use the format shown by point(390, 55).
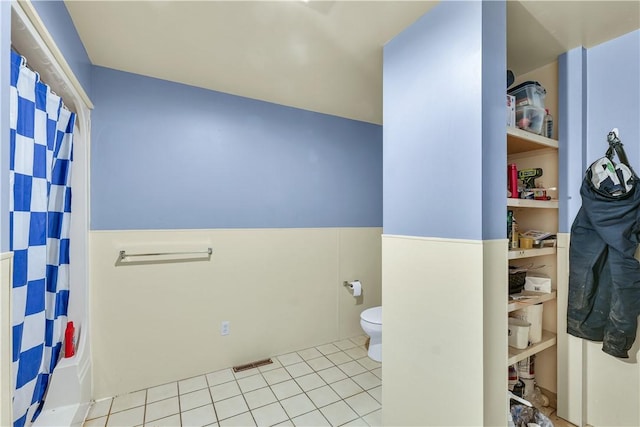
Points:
point(374, 419)
point(269, 415)
point(367, 380)
point(376, 393)
point(359, 340)
point(332, 375)
point(352, 368)
point(171, 421)
point(299, 369)
point(224, 390)
point(309, 353)
point(128, 418)
point(246, 373)
point(162, 409)
point(377, 372)
point(297, 405)
point(219, 377)
point(287, 423)
point(197, 417)
point(369, 363)
point(327, 349)
point(195, 399)
point(230, 407)
point(99, 409)
point(559, 422)
point(243, 420)
point(96, 422)
point(286, 389)
point(252, 383)
point(323, 396)
point(345, 344)
point(356, 352)
point(260, 397)
point(275, 364)
point(320, 363)
point(358, 422)
point(289, 359)
point(346, 387)
point(162, 392)
point(338, 413)
point(276, 376)
point(310, 381)
point(311, 419)
point(128, 401)
point(192, 384)
point(339, 358)
point(363, 403)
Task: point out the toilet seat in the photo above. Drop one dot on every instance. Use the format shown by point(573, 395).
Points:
point(372, 315)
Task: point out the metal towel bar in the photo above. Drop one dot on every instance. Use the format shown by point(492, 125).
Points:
point(124, 255)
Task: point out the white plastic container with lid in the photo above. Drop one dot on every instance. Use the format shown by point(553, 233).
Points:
point(533, 315)
point(518, 333)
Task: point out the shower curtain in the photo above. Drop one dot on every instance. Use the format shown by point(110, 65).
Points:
point(41, 144)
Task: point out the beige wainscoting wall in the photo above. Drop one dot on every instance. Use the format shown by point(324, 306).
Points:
point(6, 366)
point(442, 351)
point(157, 319)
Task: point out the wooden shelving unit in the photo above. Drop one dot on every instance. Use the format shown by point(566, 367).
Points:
point(530, 150)
point(527, 203)
point(548, 340)
point(527, 298)
point(530, 253)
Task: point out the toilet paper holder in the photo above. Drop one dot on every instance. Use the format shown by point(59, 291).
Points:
point(355, 286)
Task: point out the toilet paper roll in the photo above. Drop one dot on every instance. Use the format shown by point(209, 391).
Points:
point(356, 287)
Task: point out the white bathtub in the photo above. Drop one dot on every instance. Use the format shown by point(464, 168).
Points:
point(68, 396)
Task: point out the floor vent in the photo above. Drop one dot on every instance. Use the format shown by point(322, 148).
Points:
point(252, 365)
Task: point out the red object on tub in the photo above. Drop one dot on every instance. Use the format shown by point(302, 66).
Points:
point(69, 349)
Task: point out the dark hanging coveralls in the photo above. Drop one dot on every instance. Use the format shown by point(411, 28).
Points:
point(604, 276)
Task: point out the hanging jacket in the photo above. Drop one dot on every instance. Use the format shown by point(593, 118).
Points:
point(604, 276)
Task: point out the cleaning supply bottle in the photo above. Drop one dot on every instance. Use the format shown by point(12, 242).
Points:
point(512, 177)
point(69, 338)
point(547, 124)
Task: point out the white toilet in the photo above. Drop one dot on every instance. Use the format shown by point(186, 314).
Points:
point(371, 322)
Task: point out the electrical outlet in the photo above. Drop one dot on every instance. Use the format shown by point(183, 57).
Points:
point(224, 328)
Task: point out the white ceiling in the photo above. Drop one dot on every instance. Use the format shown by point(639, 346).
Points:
point(323, 56)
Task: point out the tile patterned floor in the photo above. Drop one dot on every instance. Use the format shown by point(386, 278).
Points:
point(330, 385)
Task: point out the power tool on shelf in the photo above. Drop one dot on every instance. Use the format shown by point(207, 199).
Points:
point(530, 191)
point(528, 176)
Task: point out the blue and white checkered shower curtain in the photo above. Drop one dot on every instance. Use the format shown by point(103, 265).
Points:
point(40, 208)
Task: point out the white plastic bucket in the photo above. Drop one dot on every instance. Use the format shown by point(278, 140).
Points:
point(533, 315)
point(518, 333)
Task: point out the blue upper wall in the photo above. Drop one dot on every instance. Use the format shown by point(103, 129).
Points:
point(56, 18)
point(442, 99)
point(599, 89)
point(170, 156)
point(613, 88)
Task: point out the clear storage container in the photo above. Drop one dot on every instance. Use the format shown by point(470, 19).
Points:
point(529, 94)
point(530, 118)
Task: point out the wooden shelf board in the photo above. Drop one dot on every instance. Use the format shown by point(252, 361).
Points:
point(532, 298)
point(548, 340)
point(528, 203)
point(519, 141)
point(528, 253)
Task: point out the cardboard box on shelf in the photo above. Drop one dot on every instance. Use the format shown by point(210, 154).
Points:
point(511, 110)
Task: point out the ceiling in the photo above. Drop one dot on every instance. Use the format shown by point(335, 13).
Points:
point(323, 56)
